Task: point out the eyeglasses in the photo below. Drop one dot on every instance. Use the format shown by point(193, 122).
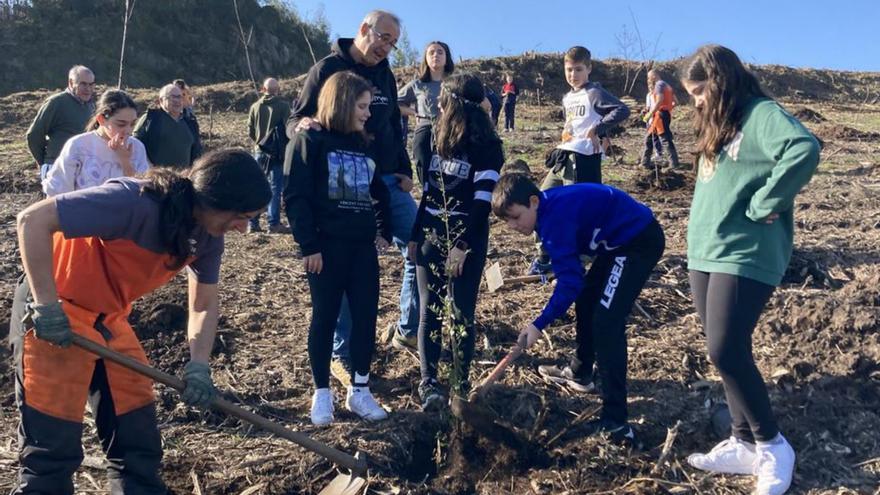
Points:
point(385, 38)
point(172, 97)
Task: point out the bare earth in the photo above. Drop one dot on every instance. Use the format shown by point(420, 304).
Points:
point(817, 345)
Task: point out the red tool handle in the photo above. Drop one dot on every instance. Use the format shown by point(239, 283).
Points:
point(500, 368)
point(357, 465)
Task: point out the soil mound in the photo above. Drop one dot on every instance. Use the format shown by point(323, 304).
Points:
point(807, 114)
point(842, 132)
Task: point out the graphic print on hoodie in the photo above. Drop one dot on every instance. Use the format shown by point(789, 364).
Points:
point(349, 177)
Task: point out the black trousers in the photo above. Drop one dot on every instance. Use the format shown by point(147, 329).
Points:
point(729, 307)
point(422, 143)
point(653, 141)
point(612, 286)
point(509, 115)
point(350, 268)
point(50, 448)
point(433, 291)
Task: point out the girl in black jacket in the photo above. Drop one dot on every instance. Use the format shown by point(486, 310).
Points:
point(451, 233)
point(330, 195)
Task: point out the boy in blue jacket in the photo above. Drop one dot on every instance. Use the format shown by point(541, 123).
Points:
point(625, 241)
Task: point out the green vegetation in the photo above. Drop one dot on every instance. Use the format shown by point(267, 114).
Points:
point(197, 40)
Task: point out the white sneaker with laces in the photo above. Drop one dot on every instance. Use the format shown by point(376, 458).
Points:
point(774, 466)
point(360, 401)
point(322, 407)
point(732, 456)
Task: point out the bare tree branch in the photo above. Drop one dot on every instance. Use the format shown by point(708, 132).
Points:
point(129, 10)
point(245, 41)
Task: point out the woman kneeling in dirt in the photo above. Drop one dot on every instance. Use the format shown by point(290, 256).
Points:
point(329, 198)
point(87, 256)
point(754, 159)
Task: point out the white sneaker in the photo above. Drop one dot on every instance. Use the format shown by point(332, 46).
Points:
point(774, 467)
point(322, 407)
point(360, 401)
point(732, 456)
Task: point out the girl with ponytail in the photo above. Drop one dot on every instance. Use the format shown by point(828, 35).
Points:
point(106, 150)
point(87, 256)
point(451, 233)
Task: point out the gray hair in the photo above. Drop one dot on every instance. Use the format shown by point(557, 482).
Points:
point(76, 70)
point(167, 89)
point(373, 18)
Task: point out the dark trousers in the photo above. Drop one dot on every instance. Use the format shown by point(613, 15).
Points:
point(578, 168)
point(509, 115)
point(350, 268)
point(729, 307)
point(50, 448)
point(422, 143)
point(612, 285)
point(433, 291)
point(653, 141)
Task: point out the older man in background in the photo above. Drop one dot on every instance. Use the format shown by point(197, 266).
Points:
point(266, 128)
point(62, 116)
point(166, 135)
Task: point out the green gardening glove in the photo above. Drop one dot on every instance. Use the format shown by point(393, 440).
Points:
point(199, 390)
point(50, 323)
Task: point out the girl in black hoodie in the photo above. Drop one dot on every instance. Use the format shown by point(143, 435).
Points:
point(451, 233)
point(330, 195)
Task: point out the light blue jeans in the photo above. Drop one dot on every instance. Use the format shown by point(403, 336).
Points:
point(403, 216)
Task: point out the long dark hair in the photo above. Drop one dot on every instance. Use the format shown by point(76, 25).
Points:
point(729, 88)
point(462, 119)
point(425, 71)
point(223, 180)
point(112, 101)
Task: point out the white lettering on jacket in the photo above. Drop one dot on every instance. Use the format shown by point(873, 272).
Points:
point(613, 281)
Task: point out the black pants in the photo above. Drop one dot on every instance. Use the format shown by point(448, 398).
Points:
point(612, 285)
point(729, 307)
point(50, 448)
point(350, 268)
point(509, 115)
point(653, 141)
point(422, 141)
point(578, 169)
point(431, 277)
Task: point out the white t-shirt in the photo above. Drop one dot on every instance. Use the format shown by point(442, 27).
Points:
point(580, 115)
point(87, 161)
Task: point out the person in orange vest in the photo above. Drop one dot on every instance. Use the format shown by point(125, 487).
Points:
point(87, 255)
point(658, 115)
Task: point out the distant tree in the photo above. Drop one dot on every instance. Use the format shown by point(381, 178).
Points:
point(405, 55)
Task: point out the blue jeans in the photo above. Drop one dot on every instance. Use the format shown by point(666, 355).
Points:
point(403, 216)
point(276, 181)
point(44, 170)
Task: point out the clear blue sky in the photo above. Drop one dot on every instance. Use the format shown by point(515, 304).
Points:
point(842, 34)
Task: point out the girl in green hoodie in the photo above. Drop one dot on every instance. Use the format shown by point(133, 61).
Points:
point(753, 159)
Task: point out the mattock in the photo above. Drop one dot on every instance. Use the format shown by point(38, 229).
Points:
point(343, 484)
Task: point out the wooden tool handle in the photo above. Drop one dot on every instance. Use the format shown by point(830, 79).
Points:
point(357, 466)
point(500, 368)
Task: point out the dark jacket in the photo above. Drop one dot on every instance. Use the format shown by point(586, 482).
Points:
point(331, 189)
point(169, 142)
point(387, 147)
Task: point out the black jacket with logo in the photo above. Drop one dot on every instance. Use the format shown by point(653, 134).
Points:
point(334, 191)
point(387, 147)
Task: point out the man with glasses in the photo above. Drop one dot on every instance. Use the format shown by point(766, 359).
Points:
point(164, 132)
point(367, 55)
point(62, 116)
